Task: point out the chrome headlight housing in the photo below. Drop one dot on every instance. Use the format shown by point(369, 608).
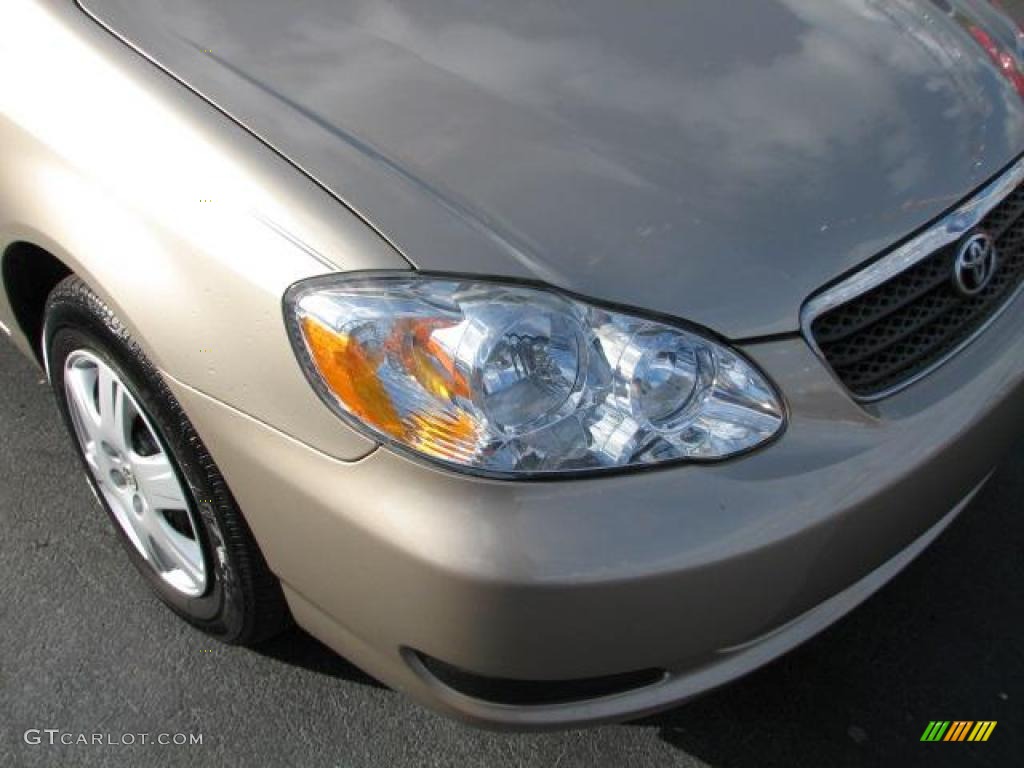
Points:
point(516, 381)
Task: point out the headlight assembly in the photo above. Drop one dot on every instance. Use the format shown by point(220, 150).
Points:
point(512, 381)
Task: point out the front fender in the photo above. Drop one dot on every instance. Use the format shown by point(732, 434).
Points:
point(186, 224)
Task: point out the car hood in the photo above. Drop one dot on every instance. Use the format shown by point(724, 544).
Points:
point(715, 161)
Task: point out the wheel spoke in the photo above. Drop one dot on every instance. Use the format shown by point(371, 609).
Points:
point(124, 412)
point(79, 384)
point(105, 387)
point(183, 552)
point(92, 458)
point(115, 411)
point(134, 527)
point(158, 483)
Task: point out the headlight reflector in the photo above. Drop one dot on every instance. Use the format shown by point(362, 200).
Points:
point(514, 381)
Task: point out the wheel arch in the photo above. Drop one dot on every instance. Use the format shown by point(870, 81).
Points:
point(29, 272)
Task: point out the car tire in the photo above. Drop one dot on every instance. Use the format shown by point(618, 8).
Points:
point(142, 454)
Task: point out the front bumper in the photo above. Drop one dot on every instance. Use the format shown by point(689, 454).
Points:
point(704, 572)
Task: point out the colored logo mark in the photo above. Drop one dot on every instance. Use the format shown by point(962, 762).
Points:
point(958, 730)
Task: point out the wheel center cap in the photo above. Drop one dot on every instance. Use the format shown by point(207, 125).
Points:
point(124, 479)
point(129, 478)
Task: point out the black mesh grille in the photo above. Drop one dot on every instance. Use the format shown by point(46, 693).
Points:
point(893, 332)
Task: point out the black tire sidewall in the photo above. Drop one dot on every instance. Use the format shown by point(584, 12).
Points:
point(72, 323)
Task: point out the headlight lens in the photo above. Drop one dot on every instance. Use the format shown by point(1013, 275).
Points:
point(514, 381)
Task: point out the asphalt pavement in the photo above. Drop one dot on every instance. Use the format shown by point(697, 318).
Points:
point(85, 649)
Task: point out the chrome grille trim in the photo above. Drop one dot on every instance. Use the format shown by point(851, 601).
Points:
point(946, 231)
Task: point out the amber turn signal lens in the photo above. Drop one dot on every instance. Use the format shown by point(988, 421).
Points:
point(352, 375)
point(352, 372)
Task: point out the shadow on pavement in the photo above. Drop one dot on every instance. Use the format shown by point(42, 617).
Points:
point(299, 649)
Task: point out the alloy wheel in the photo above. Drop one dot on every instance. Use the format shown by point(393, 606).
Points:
point(134, 473)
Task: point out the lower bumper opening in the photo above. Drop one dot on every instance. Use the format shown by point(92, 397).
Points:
point(514, 692)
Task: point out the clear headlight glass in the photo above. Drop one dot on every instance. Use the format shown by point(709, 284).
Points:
point(514, 381)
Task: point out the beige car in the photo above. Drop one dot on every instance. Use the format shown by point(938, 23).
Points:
point(552, 363)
